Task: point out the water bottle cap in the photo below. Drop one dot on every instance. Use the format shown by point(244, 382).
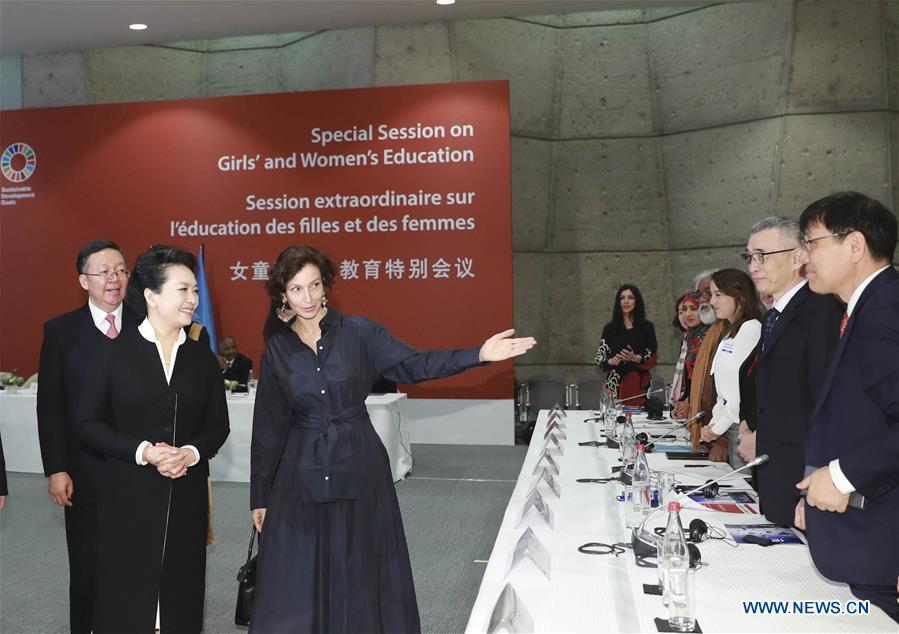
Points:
point(674, 506)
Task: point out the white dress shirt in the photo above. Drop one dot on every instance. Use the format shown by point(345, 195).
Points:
point(732, 352)
point(149, 333)
point(99, 317)
point(781, 304)
point(840, 481)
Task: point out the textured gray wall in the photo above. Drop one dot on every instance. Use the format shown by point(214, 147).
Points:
point(645, 142)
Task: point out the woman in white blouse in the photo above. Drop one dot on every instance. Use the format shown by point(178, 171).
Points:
point(735, 300)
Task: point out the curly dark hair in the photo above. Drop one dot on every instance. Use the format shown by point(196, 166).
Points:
point(289, 263)
point(149, 272)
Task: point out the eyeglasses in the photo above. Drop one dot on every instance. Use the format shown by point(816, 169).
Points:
point(759, 256)
point(807, 244)
point(109, 275)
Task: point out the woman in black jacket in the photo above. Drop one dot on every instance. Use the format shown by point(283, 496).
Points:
point(154, 406)
point(627, 348)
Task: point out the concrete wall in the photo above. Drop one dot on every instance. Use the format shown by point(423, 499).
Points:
point(645, 142)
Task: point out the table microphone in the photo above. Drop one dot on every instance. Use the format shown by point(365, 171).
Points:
point(644, 395)
point(681, 423)
point(652, 539)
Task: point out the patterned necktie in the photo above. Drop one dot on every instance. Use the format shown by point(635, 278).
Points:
point(111, 332)
point(770, 319)
point(843, 322)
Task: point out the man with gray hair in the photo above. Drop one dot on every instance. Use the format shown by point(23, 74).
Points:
point(702, 282)
point(799, 335)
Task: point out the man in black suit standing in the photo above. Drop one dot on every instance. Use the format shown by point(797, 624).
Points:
point(799, 334)
point(235, 366)
point(69, 342)
point(851, 508)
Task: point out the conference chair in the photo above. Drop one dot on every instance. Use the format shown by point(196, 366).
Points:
point(545, 391)
point(589, 392)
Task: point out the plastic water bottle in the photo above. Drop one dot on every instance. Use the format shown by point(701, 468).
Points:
point(674, 554)
point(640, 502)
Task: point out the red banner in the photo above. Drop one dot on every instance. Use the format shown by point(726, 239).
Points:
point(406, 188)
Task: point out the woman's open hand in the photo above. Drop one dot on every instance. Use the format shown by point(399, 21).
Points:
point(502, 346)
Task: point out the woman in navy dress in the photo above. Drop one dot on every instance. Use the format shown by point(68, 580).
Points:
point(333, 555)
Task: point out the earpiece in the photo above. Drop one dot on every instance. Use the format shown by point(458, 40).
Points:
point(698, 530)
point(695, 555)
point(710, 490)
point(642, 438)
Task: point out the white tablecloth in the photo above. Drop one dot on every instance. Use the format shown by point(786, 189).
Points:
point(591, 593)
point(18, 427)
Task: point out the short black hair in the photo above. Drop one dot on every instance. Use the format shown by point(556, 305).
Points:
point(852, 211)
point(94, 246)
point(150, 272)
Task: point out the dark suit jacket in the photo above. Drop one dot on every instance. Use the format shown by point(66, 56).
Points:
point(70, 341)
point(787, 377)
point(239, 370)
point(856, 420)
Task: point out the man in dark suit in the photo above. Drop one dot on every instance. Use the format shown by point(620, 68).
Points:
point(799, 334)
point(852, 447)
point(70, 340)
point(235, 366)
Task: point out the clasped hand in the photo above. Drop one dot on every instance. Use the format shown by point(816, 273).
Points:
point(822, 493)
point(171, 462)
point(625, 355)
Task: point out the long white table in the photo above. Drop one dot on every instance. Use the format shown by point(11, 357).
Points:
point(592, 593)
point(18, 427)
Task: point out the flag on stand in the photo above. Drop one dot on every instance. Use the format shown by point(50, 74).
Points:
point(203, 315)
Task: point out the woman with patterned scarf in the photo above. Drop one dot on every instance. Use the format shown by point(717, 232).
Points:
point(686, 318)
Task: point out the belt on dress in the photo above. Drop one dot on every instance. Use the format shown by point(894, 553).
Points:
point(327, 469)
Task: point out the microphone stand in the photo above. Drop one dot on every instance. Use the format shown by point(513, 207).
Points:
point(647, 394)
point(683, 423)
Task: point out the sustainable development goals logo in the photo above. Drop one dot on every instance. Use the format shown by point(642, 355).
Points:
point(18, 162)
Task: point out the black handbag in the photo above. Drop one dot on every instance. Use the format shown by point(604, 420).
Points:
point(246, 586)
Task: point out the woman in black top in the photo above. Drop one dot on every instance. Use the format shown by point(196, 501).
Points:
point(627, 348)
point(154, 406)
point(332, 555)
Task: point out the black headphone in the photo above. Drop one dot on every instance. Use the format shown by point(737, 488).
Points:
point(710, 490)
point(698, 530)
point(693, 549)
point(695, 555)
point(642, 438)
